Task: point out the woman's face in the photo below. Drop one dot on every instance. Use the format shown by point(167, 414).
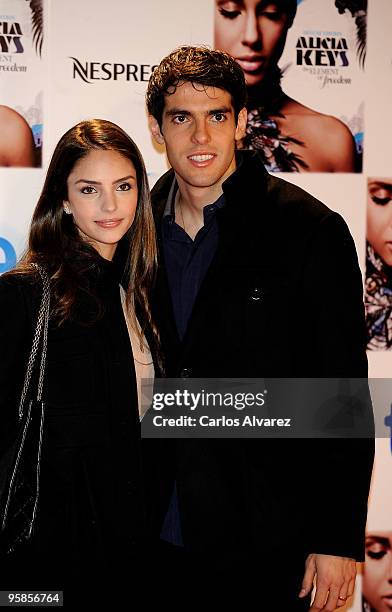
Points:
point(379, 218)
point(253, 32)
point(377, 576)
point(102, 197)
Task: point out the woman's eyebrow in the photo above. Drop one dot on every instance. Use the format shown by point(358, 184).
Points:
point(381, 184)
point(379, 539)
point(124, 178)
point(237, 2)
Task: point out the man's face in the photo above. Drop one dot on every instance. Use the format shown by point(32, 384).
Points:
point(253, 32)
point(379, 218)
point(200, 133)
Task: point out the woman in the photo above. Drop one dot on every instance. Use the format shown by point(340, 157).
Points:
point(290, 136)
point(377, 575)
point(92, 229)
point(378, 286)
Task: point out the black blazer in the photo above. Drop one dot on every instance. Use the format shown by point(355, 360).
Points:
point(91, 511)
point(279, 242)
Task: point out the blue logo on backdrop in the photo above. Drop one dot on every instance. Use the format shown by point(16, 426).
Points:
point(7, 255)
point(388, 423)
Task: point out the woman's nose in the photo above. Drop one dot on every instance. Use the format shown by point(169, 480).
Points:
point(109, 201)
point(251, 33)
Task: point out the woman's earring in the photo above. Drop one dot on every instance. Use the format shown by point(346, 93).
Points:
point(66, 210)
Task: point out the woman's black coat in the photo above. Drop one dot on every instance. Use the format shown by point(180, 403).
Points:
point(90, 514)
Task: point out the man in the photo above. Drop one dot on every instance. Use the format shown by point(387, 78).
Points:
point(257, 279)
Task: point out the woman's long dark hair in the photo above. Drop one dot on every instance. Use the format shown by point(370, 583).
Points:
point(55, 242)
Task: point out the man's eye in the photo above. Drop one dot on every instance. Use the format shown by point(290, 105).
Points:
point(179, 119)
point(219, 117)
point(88, 189)
point(124, 187)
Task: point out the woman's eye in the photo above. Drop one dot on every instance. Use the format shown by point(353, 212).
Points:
point(124, 187)
point(272, 15)
point(229, 14)
point(382, 197)
point(88, 189)
point(376, 554)
point(376, 550)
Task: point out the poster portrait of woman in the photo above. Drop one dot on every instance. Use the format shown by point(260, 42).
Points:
point(291, 136)
point(16, 139)
point(377, 574)
point(378, 284)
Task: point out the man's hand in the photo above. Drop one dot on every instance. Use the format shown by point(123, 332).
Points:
point(335, 580)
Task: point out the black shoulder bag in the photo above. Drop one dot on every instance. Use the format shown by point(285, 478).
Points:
point(20, 463)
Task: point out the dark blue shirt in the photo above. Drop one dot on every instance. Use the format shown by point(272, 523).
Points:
point(187, 260)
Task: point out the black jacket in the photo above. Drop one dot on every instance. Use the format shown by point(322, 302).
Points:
point(277, 241)
point(90, 514)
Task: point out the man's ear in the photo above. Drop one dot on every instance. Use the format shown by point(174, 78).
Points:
point(241, 124)
point(155, 130)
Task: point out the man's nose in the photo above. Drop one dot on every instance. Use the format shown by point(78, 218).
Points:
point(201, 133)
point(251, 35)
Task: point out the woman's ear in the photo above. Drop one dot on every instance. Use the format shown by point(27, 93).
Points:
point(155, 130)
point(66, 208)
point(241, 124)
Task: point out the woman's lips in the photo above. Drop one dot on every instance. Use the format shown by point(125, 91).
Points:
point(250, 64)
point(108, 223)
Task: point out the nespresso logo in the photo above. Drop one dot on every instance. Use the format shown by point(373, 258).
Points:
point(107, 71)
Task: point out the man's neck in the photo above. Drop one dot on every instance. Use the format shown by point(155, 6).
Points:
point(193, 199)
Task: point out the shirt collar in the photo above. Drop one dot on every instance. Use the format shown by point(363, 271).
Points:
point(207, 210)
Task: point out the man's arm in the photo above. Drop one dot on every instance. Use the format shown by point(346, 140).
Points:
point(340, 468)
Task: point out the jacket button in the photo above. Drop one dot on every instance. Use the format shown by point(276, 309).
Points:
point(185, 373)
point(256, 294)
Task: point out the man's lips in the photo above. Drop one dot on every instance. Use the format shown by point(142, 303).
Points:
point(200, 160)
point(108, 223)
point(250, 63)
point(388, 600)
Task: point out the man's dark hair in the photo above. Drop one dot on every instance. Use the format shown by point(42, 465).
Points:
point(198, 65)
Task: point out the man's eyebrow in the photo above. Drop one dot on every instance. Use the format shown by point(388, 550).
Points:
point(178, 111)
point(223, 110)
point(124, 178)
